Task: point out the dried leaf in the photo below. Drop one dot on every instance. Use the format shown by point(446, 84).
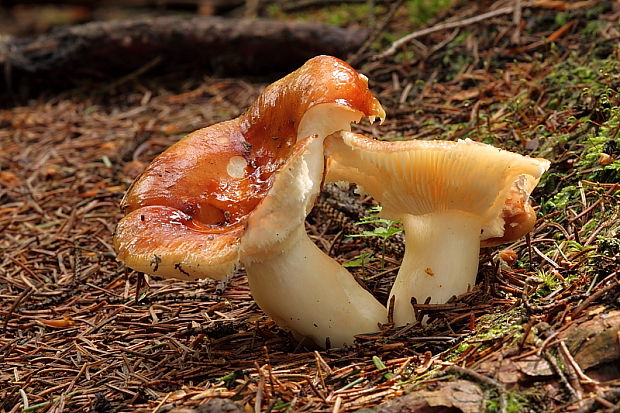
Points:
point(64, 322)
point(534, 366)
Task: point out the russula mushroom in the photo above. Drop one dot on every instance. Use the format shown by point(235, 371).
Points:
point(240, 190)
point(451, 197)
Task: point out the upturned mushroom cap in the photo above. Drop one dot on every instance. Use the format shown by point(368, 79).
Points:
point(421, 177)
point(449, 195)
point(187, 212)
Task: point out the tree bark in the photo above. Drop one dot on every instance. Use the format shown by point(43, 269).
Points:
point(209, 45)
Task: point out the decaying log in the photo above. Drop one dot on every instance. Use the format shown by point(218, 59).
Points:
point(210, 45)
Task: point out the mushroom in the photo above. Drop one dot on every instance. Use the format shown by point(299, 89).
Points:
point(450, 197)
point(240, 190)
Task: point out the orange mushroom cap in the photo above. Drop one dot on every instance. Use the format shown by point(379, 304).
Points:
point(518, 215)
point(187, 211)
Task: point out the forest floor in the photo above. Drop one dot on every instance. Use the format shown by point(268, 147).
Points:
point(539, 333)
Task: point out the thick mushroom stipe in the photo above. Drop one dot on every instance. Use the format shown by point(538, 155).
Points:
point(442, 245)
point(331, 306)
point(187, 213)
point(450, 195)
point(291, 279)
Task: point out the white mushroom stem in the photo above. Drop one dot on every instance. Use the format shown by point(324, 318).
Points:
point(441, 260)
point(305, 290)
point(291, 279)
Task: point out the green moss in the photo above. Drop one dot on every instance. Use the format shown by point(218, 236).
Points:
point(343, 15)
point(497, 325)
point(404, 56)
point(489, 328)
point(561, 19)
point(421, 11)
point(549, 283)
point(454, 59)
point(462, 348)
point(594, 143)
point(562, 199)
point(609, 246)
point(602, 143)
point(595, 11)
point(592, 28)
point(588, 79)
point(337, 15)
point(516, 402)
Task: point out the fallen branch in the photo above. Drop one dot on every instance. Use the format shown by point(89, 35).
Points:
point(227, 47)
point(308, 4)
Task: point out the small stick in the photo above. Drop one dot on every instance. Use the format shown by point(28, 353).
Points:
point(528, 240)
point(315, 390)
point(416, 313)
point(595, 203)
point(139, 282)
point(77, 265)
point(23, 267)
point(593, 297)
point(161, 403)
point(589, 405)
point(402, 368)
point(319, 372)
point(526, 332)
point(323, 363)
point(527, 289)
point(258, 401)
point(336, 239)
point(545, 343)
point(391, 310)
point(111, 318)
point(560, 373)
point(544, 257)
point(24, 399)
point(337, 405)
point(516, 20)
point(19, 299)
point(569, 357)
point(445, 26)
point(269, 369)
point(571, 374)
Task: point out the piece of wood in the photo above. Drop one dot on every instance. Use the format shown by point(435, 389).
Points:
point(129, 3)
point(205, 45)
